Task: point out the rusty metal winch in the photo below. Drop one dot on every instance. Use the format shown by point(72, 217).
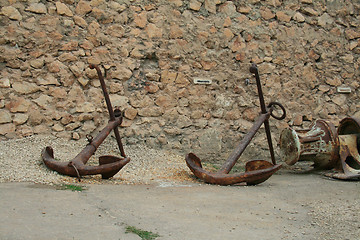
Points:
point(326, 147)
point(319, 143)
point(256, 171)
point(108, 165)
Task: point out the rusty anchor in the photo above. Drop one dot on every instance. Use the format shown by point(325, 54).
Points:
point(256, 171)
point(327, 147)
point(108, 165)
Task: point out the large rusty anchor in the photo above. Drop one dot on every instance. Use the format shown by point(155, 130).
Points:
point(256, 171)
point(108, 165)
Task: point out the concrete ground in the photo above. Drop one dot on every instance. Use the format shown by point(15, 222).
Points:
point(287, 206)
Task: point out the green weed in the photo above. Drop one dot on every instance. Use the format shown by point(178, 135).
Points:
point(145, 235)
point(74, 188)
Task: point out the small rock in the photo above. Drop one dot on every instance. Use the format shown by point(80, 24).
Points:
point(75, 136)
point(153, 31)
point(119, 101)
point(86, 107)
point(37, 63)
point(48, 80)
point(336, 81)
point(25, 87)
point(121, 73)
point(5, 116)
point(267, 14)
point(80, 21)
point(43, 101)
point(67, 57)
point(352, 34)
point(183, 122)
point(7, 128)
point(165, 101)
point(82, 8)
point(210, 6)
point(299, 17)
point(20, 118)
point(37, 8)
point(62, 9)
point(195, 5)
point(325, 20)
point(151, 87)
point(5, 83)
point(57, 127)
point(130, 113)
point(140, 19)
point(11, 13)
point(310, 11)
point(116, 30)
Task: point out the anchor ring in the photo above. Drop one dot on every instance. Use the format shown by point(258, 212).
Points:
point(272, 104)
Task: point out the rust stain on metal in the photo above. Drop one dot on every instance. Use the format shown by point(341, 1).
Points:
point(108, 165)
point(349, 135)
point(326, 147)
point(256, 171)
point(319, 143)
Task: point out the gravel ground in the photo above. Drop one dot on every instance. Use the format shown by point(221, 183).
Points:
point(20, 161)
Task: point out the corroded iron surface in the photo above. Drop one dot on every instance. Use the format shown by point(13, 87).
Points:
point(108, 165)
point(349, 135)
point(256, 171)
point(326, 147)
point(319, 143)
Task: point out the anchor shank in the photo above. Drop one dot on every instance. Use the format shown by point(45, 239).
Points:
point(110, 108)
point(89, 150)
point(118, 140)
point(268, 136)
point(106, 94)
point(236, 153)
point(254, 70)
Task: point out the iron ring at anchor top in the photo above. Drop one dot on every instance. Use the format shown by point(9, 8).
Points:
point(282, 109)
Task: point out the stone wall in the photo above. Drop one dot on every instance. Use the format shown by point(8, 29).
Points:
point(152, 51)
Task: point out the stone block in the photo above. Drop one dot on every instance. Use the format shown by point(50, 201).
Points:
point(140, 19)
point(195, 5)
point(18, 105)
point(150, 112)
point(11, 13)
point(299, 17)
point(7, 128)
point(83, 7)
point(130, 113)
point(63, 9)
point(5, 83)
point(37, 8)
point(5, 116)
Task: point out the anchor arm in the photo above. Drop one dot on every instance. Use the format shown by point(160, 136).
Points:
point(259, 171)
point(80, 169)
point(236, 153)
